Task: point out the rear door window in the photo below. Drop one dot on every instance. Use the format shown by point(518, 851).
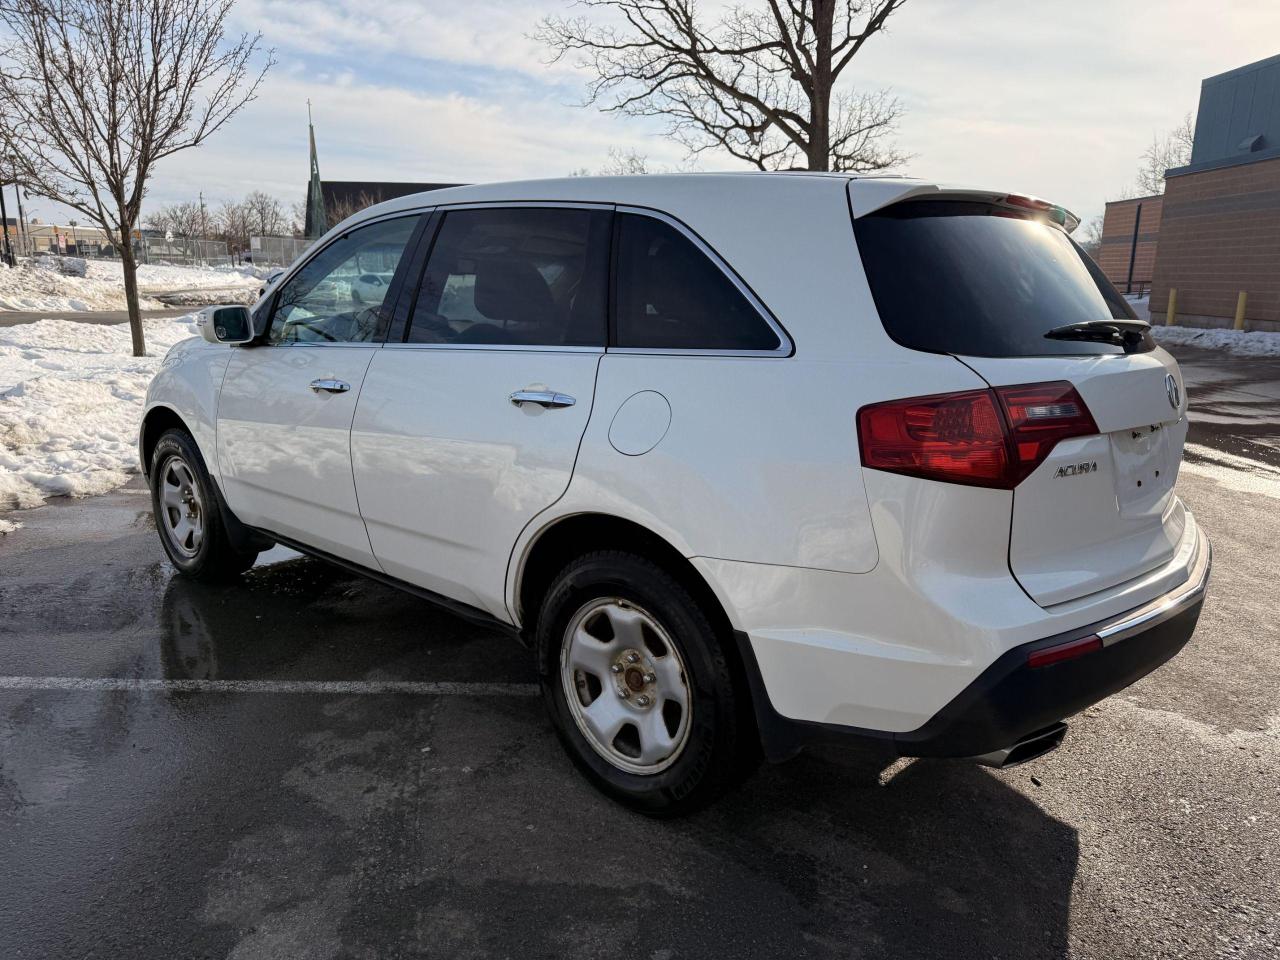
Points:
point(968, 278)
point(523, 276)
point(671, 295)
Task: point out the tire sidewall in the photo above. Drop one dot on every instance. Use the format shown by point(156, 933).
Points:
point(176, 443)
point(710, 683)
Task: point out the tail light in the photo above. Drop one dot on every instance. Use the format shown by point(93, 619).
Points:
point(983, 438)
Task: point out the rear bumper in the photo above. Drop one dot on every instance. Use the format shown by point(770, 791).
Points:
point(1010, 700)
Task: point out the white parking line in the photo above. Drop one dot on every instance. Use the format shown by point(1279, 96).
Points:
point(123, 685)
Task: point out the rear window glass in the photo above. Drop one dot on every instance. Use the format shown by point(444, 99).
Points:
point(969, 278)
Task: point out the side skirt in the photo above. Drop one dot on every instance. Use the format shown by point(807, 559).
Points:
point(481, 618)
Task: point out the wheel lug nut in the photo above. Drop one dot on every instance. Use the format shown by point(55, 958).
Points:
point(626, 694)
point(642, 701)
point(616, 668)
point(633, 658)
point(649, 678)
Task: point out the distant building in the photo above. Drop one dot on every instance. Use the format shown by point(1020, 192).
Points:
point(1219, 228)
point(1130, 231)
point(345, 197)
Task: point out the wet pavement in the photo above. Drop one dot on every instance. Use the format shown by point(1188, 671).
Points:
point(180, 777)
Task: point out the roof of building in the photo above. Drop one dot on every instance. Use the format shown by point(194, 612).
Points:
point(1238, 120)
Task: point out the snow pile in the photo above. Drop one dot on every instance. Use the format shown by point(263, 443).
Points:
point(71, 397)
point(50, 283)
point(1247, 343)
point(39, 285)
point(160, 277)
point(8, 526)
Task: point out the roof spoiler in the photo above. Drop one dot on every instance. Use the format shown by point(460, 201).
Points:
point(868, 196)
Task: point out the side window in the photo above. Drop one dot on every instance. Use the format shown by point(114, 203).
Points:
point(338, 297)
point(525, 275)
point(670, 295)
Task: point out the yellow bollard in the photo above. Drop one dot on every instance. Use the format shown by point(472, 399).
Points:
point(1173, 307)
point(1240, 302)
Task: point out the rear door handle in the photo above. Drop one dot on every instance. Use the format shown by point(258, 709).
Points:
point(330, 386)
point(544, 398)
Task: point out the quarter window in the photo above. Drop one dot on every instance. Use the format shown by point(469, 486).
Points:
point(670, 295)
point(340, 296)
point(527, 276)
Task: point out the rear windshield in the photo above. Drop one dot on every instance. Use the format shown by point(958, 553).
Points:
point(953, 276)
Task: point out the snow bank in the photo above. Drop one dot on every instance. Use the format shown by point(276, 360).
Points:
point(160, 277)
point(70, 399)
point(1245, 343)
point(38, 285)
point(49, 283)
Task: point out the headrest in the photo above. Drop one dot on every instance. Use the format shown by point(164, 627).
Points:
point(509, 290)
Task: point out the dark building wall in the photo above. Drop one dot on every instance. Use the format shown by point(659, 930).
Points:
point(1220, 234)
point(1117, 240)
point(342, 198)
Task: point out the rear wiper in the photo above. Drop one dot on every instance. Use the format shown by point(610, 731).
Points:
point(1127, 334)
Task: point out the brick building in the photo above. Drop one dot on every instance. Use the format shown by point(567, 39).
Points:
point(1220, 224)
point(1130, 230)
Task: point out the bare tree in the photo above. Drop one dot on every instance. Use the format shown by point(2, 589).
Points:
point(96, 92)
point(1090, 238)
point(344, 207)
point(265, 214)
point(297, 217)
point(184, 219)
point(235, 223)
point(618, 163)
point(1165, 153)
point(760, 82)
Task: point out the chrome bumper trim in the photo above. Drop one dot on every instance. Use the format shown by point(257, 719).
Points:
point(1162, 608)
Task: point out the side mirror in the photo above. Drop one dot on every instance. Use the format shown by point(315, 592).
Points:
point(225, 324)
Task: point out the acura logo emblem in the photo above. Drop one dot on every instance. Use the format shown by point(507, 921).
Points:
point(1171, 388)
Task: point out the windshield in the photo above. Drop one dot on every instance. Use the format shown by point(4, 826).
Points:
point(951, 276)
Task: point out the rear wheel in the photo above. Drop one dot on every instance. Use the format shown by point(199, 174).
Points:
point(639, 686)
point(186, 512)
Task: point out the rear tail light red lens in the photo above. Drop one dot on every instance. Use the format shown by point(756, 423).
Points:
point(986, 438)
point(1039, 416)
point(1047, 656)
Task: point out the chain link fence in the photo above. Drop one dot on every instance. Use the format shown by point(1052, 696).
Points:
point(183, 250)
point(276, 251)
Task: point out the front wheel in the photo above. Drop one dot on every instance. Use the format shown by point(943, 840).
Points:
point(186, 512)
point(639, 686)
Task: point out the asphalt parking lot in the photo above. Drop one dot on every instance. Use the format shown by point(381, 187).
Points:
point(311, 765)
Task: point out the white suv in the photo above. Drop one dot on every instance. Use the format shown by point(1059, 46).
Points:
point(746, 460)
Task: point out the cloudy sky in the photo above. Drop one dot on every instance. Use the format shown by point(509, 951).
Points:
point(1055, 99)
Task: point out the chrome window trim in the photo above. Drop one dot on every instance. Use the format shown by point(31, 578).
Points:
point(785, 348)
point(491, 347)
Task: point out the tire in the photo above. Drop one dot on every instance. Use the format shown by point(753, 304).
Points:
point(604, 625)
point(187, 515)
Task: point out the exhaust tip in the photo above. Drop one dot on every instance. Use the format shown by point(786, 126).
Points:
point(1028, 748)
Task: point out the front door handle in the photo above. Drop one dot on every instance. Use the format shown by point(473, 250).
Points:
point(330, 386)
point(544, 398)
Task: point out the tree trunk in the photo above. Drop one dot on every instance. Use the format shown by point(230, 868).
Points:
point(130, 266)
point(819, 153)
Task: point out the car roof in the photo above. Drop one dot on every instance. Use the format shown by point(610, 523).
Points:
point(641, 190)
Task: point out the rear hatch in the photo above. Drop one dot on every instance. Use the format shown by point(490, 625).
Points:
point(985, 279)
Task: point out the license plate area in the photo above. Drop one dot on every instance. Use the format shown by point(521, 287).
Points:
point(1144, 472)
